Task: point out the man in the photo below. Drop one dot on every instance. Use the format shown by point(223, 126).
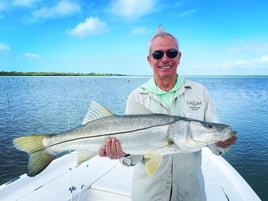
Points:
point(179, 177)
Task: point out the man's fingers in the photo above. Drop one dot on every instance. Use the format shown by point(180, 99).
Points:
point(102, 151)
point(119, 151)
point(108, 148)
point(111, 149)
point(227, 142)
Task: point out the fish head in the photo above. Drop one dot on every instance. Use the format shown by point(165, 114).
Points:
point(191, 135)
point(209, 133)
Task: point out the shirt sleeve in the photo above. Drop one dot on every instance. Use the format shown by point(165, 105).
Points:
point(212, 116)
point(130, 160)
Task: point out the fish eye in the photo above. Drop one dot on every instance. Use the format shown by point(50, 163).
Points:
point(209, 125)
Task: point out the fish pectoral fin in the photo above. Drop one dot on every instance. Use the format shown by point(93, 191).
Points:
point(84, 156)
point(39, 159)
point(153, 162)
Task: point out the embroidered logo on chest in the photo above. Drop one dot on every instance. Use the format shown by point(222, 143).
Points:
point(194, 104)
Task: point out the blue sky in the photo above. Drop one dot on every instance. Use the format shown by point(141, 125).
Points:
point(219, 37)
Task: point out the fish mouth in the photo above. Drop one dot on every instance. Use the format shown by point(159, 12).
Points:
point(233, 133)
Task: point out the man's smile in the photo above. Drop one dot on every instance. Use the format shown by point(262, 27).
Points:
point(165, 67)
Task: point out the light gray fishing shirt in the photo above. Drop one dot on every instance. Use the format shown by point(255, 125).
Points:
point(179, 177)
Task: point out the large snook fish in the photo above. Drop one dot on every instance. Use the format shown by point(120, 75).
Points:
point(151, 135)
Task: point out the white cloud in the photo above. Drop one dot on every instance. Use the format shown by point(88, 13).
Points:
point(188, 12)
point(3, 5)
point(140, 30)
point(263, 59)
point(252, 48)
point(4, 47)
point(62, 8)
point(244, 62)
point(24, 3)
point(91, 26)
point(132, 9)
point(236, 63)
point(32, 55)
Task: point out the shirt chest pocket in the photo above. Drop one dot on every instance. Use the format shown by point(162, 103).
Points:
point(193, 108)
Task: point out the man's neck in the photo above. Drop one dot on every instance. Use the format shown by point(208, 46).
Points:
point(166, 84)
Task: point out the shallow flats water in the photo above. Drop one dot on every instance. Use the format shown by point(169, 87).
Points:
point(30, 105)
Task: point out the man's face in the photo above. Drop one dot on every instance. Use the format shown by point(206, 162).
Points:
point(165, 66)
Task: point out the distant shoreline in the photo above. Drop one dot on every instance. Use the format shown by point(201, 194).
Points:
point(15, 73)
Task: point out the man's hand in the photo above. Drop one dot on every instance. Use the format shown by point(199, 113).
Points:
point(228, 142)
point(111, 149)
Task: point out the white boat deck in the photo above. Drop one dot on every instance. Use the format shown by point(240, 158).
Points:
point(104, 179)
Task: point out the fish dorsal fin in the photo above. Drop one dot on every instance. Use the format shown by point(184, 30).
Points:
point(153, 161)
point(137, 108)
point(96, 111)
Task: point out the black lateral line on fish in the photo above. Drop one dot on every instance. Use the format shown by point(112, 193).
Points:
point(107, 134)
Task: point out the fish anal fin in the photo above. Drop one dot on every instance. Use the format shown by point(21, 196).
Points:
point(96, 111)
point(153, 162)
point(84, 156)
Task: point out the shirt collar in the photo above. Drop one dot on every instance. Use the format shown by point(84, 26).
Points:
point(150, 86)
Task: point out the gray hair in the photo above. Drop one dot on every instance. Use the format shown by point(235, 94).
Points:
point(160, 32)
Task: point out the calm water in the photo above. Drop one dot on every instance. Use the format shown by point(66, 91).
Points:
point(32, 105)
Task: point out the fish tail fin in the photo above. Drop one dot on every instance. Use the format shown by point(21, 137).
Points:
point(39, 159)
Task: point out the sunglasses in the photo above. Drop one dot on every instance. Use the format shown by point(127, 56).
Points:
point(158, 54)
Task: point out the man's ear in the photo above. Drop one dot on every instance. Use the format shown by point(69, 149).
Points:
point(149, 59)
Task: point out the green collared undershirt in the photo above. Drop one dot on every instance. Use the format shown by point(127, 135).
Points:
point(165, 96)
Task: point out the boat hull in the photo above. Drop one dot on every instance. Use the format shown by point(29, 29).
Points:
point(104, 179)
